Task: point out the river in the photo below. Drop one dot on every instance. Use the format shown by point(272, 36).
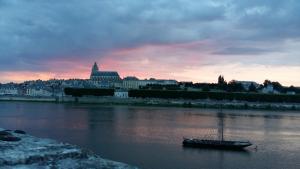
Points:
point(150, 137)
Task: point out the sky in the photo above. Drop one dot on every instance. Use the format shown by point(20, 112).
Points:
point(187, 40)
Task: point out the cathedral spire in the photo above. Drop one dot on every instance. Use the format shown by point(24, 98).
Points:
point(95, 67)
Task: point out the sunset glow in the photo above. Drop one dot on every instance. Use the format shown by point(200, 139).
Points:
point(187, 41)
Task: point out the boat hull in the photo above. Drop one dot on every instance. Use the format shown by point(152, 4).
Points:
point(216, 144)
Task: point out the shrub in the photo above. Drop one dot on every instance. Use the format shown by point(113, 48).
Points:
point(251, 97)
point(78, 92)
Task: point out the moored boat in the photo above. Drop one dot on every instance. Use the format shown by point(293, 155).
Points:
point(217, 144)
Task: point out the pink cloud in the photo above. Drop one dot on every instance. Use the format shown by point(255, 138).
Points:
point(59, 69)
point(159, 61)
point(184, 62)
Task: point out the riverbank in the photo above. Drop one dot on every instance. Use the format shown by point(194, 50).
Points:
point(207, 103)
point(33, 152)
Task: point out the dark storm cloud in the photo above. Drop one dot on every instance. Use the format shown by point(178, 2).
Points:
point(267, 20)
point(34, 32)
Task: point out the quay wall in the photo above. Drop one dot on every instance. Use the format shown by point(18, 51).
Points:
point(108, 100)
point(28, 98)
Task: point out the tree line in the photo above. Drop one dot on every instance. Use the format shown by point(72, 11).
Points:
point(251, 97)
point(79, 92)
point(180, 94)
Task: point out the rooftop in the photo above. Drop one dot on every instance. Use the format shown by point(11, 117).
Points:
point(105, 73)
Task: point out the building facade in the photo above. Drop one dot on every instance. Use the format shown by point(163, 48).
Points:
point(38, 92)
point(121, 93)
point(132, 82)
point(104, 79)
point(9, 91)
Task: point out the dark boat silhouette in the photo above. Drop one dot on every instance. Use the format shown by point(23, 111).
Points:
point(216, 144)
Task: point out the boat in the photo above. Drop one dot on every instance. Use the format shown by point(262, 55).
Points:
point(216, 143)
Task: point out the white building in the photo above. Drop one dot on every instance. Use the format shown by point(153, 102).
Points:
point(9, 91)
point(131, 82)
point(269, 89)
point(38, 92)
point(134, 83)
point(121, 93)
point(290, 92)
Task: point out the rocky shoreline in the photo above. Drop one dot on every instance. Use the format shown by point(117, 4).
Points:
point(19, 150)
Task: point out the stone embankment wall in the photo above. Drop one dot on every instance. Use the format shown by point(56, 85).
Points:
point(28, 98)
point(160, 102)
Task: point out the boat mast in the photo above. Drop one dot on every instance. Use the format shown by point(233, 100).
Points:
point(222, 128)
point(221, 125)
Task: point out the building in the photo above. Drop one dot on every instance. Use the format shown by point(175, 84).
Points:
point(104, 79)
point(269, 89)
point(9, 91)
point(291, 92)
point(131, 82)
point(119, 93)
point(31, 91)
point(246, 84)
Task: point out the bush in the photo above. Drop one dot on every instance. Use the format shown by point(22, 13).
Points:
point(79, 92)
point(251, 97)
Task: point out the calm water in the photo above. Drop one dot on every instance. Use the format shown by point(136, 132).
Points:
point(151, 138)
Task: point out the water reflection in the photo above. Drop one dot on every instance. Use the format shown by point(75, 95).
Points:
point(244, 152)
point(152, 137)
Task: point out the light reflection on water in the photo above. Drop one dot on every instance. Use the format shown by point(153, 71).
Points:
point(151, 137)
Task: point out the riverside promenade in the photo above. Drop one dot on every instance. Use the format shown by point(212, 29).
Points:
point(206, 103)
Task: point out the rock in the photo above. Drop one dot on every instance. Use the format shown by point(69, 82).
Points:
point(20, 131)
point(5, 133)
point(9, 138)
point(32, 152)
point(7, 130)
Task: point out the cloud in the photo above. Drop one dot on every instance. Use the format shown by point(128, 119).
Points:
point(286, 75)
point(242, 51)
point(267, 20)
point(57, 36)
point(36, 31)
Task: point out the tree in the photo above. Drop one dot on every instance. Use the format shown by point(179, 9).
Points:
point(267, 82)
point(252, 88)
point(206, 88)
point(233, 86)
point(292, 88)
point(221, 80)
point(222, 84)
point(277, 86)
